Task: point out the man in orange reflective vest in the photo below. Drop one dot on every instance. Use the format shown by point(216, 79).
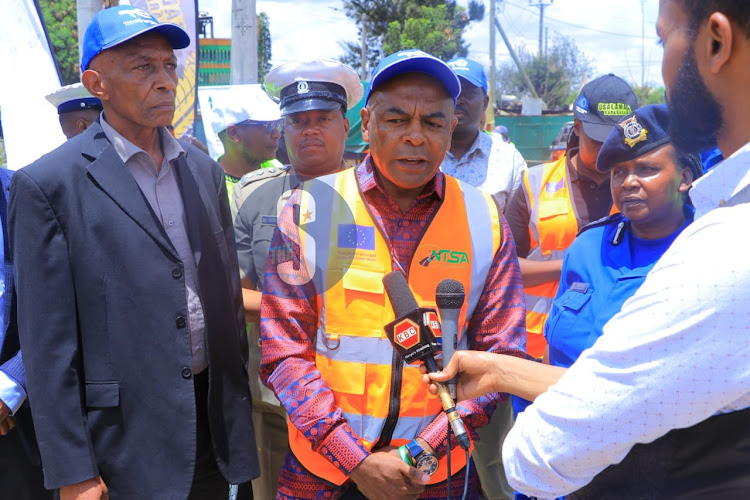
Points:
point(557, 199)
point(361, 420)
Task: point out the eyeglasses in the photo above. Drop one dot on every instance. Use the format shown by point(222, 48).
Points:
point(270, 127)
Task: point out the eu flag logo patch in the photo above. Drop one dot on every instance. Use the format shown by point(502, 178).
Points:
point(354, 236)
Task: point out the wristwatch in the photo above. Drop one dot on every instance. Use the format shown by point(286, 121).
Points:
point(423, 460)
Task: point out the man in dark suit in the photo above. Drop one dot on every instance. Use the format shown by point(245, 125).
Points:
point(129, 307)
point(20, 470)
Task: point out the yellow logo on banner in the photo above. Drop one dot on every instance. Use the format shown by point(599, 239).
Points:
point(176, 12)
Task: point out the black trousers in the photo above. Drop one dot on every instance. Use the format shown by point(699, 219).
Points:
point(208, 483)
point(19, 478)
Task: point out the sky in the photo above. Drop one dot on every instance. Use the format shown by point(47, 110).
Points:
point(609, 32)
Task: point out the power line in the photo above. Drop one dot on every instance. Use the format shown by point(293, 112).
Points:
point(578, 25)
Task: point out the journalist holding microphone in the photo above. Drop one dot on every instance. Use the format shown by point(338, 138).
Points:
point(650, 407)
point(362, 424)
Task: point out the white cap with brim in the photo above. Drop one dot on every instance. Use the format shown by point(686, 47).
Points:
point(240, 103)
point(73, 97)
point(317, 84)
point(116, 25)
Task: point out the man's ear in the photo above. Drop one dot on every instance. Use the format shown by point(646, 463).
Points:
point(232, 134)
point(92, 80)
point(81, 125)
point(717, 47)
point(577, 126)
point(365, 115)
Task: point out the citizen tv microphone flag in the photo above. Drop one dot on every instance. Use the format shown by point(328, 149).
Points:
point(411, 333)
point(449, 297)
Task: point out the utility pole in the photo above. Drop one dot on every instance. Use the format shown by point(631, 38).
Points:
point(244, 60)
point(515, 58)
point(364, 47)
point(542, 4)
point(85, 11)
point(493, 63)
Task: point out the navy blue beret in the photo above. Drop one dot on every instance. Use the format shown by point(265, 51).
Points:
point(644, 130)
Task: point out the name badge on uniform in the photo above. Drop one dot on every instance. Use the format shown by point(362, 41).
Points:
point(579, 287)
point(268, 220)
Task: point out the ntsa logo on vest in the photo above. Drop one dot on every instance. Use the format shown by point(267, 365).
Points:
point(406, 333)
point(445, 256)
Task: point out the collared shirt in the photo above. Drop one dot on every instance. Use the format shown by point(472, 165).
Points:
point(492, 165)
point(592, 202)
point(676, 354)
point(288, 328)
point(12, 394)
point(163, 194)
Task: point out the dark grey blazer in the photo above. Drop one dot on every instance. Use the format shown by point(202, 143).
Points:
point(102, 321)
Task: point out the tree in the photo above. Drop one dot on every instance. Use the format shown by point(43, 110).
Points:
point(435, 26)
point(264, 46)
point(649, 95)
point(61, 19)
point(430, 31)
point(556, 75)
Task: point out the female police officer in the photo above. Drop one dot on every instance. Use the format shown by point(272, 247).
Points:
point(609, 259)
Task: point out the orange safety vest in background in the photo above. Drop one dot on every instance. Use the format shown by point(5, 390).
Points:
point(353, 354)
point(553, 225)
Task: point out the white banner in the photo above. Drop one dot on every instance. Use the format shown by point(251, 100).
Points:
point(30, 124)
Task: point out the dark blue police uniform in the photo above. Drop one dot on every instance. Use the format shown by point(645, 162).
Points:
point(603, 267)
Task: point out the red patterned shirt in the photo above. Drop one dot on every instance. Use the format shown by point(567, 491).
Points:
point(289, 323)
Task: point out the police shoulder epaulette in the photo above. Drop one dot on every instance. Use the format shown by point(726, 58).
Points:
point(604, 221)
point(263, 173)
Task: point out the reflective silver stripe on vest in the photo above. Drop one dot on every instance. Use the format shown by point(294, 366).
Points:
point(536, 303)
point(482, 247)
point(356, 349)
point(366, 425)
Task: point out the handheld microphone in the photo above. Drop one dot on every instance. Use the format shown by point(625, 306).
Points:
point(414, 340)
point(449, 296)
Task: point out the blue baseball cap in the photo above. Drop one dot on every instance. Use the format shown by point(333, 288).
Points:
point(113, 26)
point(639, 133)
point(414, 61)
point(469, 70)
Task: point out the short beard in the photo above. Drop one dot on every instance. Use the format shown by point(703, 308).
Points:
point(695, 117)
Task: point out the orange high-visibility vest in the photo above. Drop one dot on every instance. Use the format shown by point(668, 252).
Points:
point(353, 354)
point(553, 225)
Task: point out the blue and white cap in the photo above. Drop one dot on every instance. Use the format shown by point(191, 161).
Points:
point(73, 97)
point(414, 61)
point(469, 70)
point(113, 26)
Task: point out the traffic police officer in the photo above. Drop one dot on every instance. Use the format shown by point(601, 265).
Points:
point(313, 97)
point(610, 258)
point(249, 125)
point(77, 108)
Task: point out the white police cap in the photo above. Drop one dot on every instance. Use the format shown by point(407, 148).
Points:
point(73, 97)
point(239, 103)
point(316, 84)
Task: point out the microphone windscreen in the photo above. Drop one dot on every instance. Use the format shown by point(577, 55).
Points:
point(402, 299)
point(450, 294)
